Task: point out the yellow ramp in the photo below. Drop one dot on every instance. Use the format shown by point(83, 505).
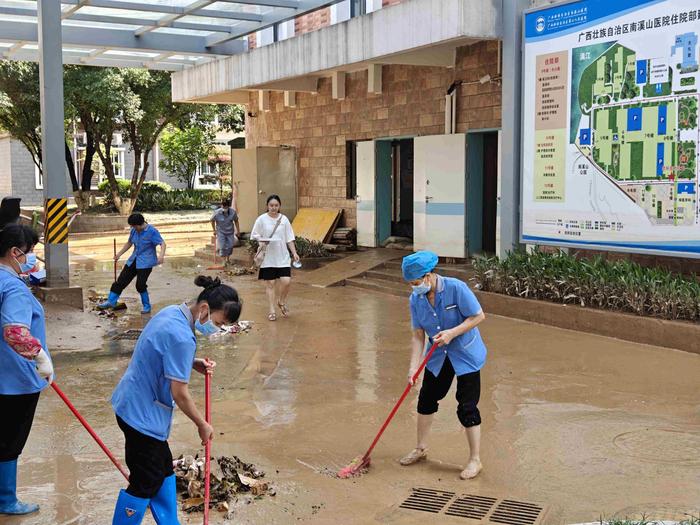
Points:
point(316, 224)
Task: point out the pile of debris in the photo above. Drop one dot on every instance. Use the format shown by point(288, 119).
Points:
point(230, 479)
point(236, 270)
point(237, 328)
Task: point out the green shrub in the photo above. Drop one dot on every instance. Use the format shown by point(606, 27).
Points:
point(155, 186)
point(159, 196)
point(305, 248)
point(597, 283)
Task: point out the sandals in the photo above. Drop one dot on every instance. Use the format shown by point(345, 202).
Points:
point(283, 309)
point(416, 455)
point(271, 317)
point(472, 470)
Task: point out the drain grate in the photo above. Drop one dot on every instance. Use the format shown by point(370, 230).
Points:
point(510, 512)
point(427, 500)
point(130, 335)
point(471, 506)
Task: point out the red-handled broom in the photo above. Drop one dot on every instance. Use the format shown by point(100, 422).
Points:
point(90, 430)
point(207, 447)
point(361, 463)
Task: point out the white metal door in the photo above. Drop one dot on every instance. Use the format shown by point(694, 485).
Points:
point(439, 168)
point(366, 205)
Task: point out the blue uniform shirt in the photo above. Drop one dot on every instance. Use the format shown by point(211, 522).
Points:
point(454, 302)
point(18, 306)
point(164, 352)
point(145, 243)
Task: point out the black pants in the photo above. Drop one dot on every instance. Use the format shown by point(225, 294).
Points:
point(18, 412)
point(127, 275)
point(149, 460)
point(435, 389)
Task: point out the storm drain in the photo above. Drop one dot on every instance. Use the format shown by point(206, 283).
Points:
point(512, 512)
point(427, 500)
point(484, 509)
point(129, 335)
point(471, 506)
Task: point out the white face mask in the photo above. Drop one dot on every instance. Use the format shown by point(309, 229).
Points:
point(422, 288)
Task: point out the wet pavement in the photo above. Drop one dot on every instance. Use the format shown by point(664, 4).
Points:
point(585, 426)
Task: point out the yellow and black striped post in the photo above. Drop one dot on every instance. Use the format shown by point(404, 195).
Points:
point(56, 221)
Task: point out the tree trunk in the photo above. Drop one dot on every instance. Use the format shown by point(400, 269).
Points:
point(87, 174)
point(71, 168)
point(126, 206)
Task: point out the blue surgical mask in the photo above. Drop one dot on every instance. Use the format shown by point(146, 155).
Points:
point(208, 328)
point(29, 263)
point(422, 288)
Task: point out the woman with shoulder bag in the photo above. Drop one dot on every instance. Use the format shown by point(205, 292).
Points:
point(275, 237)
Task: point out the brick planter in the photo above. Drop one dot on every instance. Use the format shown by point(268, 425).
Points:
point(647, 330)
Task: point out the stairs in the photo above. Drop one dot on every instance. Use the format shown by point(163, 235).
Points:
point(387, 279)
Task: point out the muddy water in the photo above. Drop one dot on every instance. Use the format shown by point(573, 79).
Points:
point(585, 425)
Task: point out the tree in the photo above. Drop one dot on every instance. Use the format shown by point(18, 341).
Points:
point(184, 150)
point(20, 111)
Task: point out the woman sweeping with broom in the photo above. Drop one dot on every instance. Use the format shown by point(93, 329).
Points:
point(155, 381)
point(447, 312)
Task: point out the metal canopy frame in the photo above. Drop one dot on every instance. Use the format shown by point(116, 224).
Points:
point(156, 34)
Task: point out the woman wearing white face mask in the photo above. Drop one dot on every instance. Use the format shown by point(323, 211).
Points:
point(155, 381)
point(447, 312)
point(25, 365)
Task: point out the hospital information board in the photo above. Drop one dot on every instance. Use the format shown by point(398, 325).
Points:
point(611, 141)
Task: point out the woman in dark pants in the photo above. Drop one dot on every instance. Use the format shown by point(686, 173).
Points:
point(447, 312)
point(25, 365)
point(144, 238)
point(155, 381)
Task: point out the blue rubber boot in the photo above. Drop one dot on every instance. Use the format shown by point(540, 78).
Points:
point(9, 504)
point(110, 303)
point(130, 510)
point(164, 504)
point(146, 302)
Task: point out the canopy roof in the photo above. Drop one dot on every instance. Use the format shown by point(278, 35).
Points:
point(157, 34)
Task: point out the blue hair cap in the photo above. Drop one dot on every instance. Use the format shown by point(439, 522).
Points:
point(418, 264)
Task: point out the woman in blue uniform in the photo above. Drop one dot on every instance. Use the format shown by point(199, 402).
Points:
point(25, 365)
point(144, 238)
point(447, 312)
point(155, 381)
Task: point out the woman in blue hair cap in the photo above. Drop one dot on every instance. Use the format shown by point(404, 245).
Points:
point(447, 312)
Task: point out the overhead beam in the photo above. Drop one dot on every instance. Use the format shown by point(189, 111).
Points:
point(290, 4)
point(170, 20)
point(107, 19)
point(100, 61)
point(303, 7)
point(68, 12)
point(169, 10)
point(92, 37)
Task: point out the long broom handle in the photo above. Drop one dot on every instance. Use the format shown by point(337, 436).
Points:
point(115, 260)
point(207, 447)
point(90, 430)
point(401, 399)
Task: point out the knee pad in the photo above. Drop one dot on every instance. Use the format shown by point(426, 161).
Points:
point(468, 414)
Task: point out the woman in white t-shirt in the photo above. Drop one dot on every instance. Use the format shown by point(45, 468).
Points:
point(276, 268)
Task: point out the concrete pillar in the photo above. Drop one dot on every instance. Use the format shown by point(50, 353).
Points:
point(338, 88)
point(53, 141)
point(290, 99)
point(374, 79)
point(263, 100)
point(508, 226)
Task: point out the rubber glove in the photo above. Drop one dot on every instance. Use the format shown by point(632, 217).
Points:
point(43, 365)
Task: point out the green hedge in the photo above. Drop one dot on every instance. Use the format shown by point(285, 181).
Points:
point(597, 283)
point(159, 196)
